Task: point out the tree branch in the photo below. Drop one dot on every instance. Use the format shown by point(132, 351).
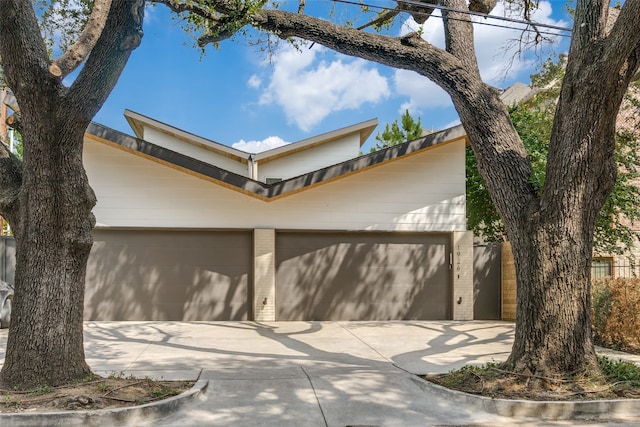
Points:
point(25, 60)
point(71, 59)
point(120, 36)
point(408, 52)
point(610, 59)
point(220, 6)
point(483, 114)
point(15, 121)
point(623, 41)
point(485, 117)
point(419, 13)
point(10, 184)
point(458, 31)
point(386, 16)
point(590, 22)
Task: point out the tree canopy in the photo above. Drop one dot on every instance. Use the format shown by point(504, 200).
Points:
point(395, 134)
point(533, 120)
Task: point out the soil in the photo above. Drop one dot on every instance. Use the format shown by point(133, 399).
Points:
point(95, 393)
point(119, 391)
point(501, 384)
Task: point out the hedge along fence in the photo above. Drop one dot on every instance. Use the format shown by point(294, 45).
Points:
point(616, 312)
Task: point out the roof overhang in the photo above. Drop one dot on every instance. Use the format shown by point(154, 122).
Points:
point(138, 122)
point(260, 190)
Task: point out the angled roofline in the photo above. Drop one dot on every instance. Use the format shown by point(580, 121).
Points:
point(365, 129)
point(260, 190)
point(138, 121)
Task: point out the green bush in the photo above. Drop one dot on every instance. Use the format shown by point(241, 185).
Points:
point(616, 312)
point(619, 370)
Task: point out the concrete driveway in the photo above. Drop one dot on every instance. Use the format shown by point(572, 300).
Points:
point(304, 373)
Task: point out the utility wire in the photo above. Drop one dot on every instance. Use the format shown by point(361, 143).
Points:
point(484, 15)
point(496, 17)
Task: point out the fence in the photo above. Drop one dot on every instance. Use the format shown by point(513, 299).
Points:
point(7, 259)
point(619, 266)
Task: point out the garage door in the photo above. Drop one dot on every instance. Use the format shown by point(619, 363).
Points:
point(168, 275)
point(362, 276)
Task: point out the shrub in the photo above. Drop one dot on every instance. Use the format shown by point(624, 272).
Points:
point(616, 312)
point(620, 371)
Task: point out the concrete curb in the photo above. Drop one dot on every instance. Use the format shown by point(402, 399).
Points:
point(540, 410)
point(129, 416)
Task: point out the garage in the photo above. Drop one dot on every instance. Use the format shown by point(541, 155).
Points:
point(363, 276)
point(169, 275)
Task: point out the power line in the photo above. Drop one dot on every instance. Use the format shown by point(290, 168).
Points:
point(483, 15)
point(496, 17)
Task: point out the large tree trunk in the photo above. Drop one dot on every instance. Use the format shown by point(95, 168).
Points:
point(553, 319)
point(47, 198)
point(52, 246)
point(550, 227)
point(553, 240)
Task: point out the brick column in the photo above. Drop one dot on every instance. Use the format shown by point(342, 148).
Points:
point(462, 275)
point(264, 275)
point(508, 283)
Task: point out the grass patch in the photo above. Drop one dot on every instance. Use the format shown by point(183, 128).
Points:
point(498, 381)
point(94, 392)
point(619, 371)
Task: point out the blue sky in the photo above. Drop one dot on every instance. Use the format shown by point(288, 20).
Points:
point(235, 96)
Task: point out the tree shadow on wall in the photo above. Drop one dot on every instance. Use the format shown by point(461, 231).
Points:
point(363, 276)
point(487, 281)
point(152, 275)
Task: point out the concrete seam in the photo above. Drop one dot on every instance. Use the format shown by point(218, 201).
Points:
point(316, 395)
point(365, 343)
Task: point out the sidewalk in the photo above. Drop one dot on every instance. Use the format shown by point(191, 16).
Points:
point(304, 373)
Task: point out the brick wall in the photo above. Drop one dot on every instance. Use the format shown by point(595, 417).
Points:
point(264, 275)
point(462, 275)
point(508, 283)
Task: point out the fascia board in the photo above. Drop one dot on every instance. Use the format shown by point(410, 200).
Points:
point(138, 121)
point(364, 129)
point(257, 189)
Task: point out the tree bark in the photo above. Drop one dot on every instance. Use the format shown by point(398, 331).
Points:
point(47, 199)
point(553, 251)
point(53, 241)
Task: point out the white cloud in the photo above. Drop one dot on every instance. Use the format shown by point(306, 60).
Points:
point(259, 146)
point(309, 89)
point(421, 91)
point(496, 53)
point(254, 82)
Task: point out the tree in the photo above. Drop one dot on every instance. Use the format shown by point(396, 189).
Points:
point(550, 226)
point(533, 121)
point(47, 200)
point(394, 135)
point(45, 196)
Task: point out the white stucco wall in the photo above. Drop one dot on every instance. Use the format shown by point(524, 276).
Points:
point(312, 159)
point(424, 192)
point(167, 141)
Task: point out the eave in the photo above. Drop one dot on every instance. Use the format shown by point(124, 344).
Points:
point(260, 190)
